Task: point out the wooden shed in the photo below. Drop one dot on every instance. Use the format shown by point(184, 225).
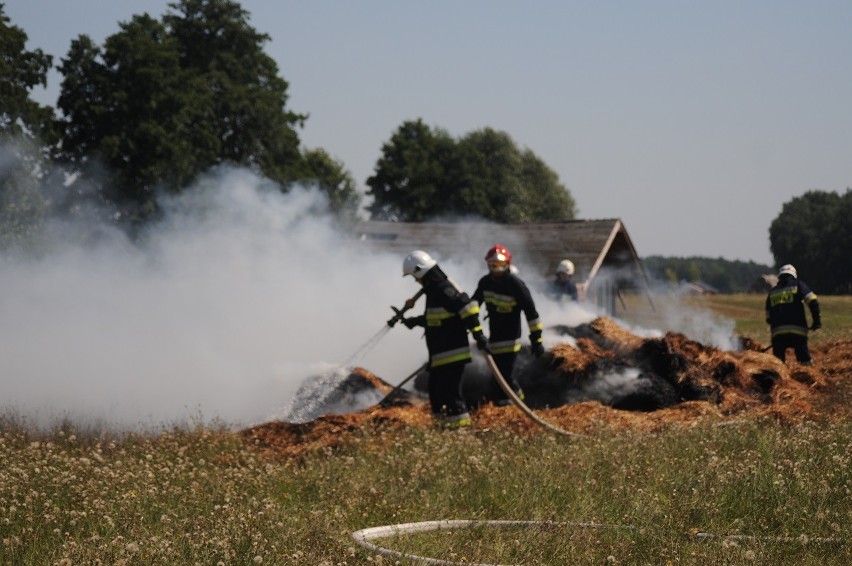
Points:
point(604, 257)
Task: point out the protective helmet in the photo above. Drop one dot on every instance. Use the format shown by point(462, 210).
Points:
point(417, 263)
point(498, 258)
point(565, 266)
point(787, 270)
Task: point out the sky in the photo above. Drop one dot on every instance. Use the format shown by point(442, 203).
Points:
point(693, 122)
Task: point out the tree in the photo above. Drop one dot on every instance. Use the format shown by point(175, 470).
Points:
point(20, 71)
point(328, 174)
point(492, 186)
point(411, 180)
point(248, 97)
point(725, 275)
point(543, 196)
point(166, 100)
point(812, 232)
point(26, 132)
point(132, 109)
point(424, 173)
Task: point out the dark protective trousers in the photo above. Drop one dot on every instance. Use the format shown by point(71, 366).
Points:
point(506, 364)
point(782, 342)
point(445, 391)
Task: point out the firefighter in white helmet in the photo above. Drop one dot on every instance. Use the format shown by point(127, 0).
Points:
point(785, 315)
point(563, 285)
point(450, 314)
point(505, 296)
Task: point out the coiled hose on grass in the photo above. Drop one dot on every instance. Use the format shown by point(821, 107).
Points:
point(365, 536)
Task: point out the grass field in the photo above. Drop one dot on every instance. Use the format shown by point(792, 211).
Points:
point(202, 496)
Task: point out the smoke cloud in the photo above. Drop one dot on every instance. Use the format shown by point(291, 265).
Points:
point(238, 296)
point(219, 312)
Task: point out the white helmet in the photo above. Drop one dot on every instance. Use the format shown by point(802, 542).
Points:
point(565, 266)
point(787, 270)
point(417, 263)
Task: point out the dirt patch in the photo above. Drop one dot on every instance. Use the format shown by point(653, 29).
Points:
point(611, 379)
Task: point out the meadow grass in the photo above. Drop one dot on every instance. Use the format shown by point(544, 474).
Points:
point(195, 495)
point(204, 497)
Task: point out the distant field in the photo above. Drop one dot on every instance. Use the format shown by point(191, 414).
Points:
point(747, 312)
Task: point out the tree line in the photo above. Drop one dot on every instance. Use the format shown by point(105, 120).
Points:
point(164, 100)
point(724, 275)
point(813, 232)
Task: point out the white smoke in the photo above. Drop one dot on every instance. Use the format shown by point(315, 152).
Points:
point(701, 325)
point(221, 312)
point(607, 387)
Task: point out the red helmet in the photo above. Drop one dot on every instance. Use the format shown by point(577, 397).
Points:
point(498, 258)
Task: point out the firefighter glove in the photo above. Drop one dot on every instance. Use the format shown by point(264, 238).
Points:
point(413, 321)
point(481, 342)
point(816, 325)
point(536, 344)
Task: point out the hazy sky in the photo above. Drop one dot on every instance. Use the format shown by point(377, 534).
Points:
point(694, 122)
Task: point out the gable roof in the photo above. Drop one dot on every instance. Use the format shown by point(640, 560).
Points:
point(538, 247)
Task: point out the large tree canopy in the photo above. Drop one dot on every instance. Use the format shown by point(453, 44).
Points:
point(813, 233)
point(412, 179)
point(423, 173)
point(165, 100)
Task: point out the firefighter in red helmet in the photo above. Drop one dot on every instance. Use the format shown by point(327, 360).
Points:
point(505, 296)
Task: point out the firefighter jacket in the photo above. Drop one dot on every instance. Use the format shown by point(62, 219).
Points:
point(449, 315)
point(505, 297)
point(785, 307)
point(559, 288)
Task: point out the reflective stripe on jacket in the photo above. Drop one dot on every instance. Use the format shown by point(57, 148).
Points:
point(506, 297)
point(449, 316)
point(785, 307)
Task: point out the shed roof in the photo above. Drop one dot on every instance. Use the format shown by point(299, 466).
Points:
point(540, 246)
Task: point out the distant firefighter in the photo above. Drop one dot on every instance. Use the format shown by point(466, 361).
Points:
point(450, 315)
point(563, 285)
point(785, 315)
point(505, 296)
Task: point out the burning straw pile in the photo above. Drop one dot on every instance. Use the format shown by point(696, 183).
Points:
point(610, 379)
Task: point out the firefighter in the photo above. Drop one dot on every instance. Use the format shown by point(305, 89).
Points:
point(505, 295)
point(563, 285)
point(785, 315)
point(449, 316)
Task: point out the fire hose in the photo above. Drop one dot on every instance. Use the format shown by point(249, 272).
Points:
point(365, 536)
point(389, 397)
point(495, 371)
